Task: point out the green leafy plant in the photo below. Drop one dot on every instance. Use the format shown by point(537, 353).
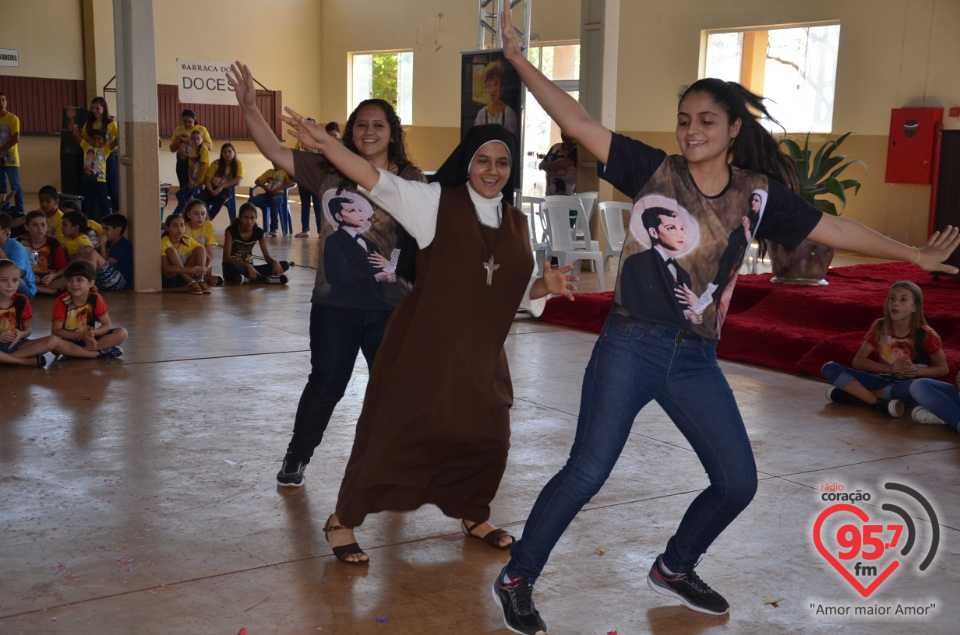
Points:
point(819, 174)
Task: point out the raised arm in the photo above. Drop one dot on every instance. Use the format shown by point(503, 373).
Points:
point(561, 107)
point(241, 79)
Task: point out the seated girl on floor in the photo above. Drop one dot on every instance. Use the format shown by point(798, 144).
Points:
point(183, 260)
point(238, 243)
point(898, 349)
point(201, 230)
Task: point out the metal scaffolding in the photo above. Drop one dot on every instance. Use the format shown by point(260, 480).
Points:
point(488, 33)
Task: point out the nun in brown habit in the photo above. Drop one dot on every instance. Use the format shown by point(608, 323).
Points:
point(435, 424)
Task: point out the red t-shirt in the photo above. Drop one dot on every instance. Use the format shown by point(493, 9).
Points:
point(74, 316)
point(13, 317)
point(890, 348)
point(47, 257)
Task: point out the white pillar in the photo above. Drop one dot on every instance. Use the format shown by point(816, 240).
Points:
point(599, 37)
point(136, 58)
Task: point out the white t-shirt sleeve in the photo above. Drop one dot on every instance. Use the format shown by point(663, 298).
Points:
point(413, 204)
point(534, 307)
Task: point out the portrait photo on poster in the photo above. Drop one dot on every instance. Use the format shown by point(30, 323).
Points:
point(490, 92)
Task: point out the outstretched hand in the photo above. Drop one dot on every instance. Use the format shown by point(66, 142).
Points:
point(241, 79)
point(508, 33)
point(938, 248)
point(558, 281)
point(307, 132)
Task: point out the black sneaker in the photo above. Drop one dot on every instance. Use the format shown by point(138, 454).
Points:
point(688, 588)
point(281, 279)
point(516, 600)
point(291, 473)
point(838, 395)
point(894, 407)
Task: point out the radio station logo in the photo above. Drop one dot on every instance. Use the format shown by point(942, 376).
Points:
point(867, 546)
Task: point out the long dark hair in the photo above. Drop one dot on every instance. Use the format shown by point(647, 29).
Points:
point(104, 121)
point(222, 165)
point(397, 149)
point(243, 208)
point(754, 148)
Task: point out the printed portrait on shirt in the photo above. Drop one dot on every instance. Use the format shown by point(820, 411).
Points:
point(8, 319)
point(663, 235)
point(359, 255)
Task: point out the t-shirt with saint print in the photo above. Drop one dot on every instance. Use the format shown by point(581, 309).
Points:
point(359, 244)
point(684, 249)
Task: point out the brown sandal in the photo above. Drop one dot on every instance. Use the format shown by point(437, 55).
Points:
point(492, 537)
point(343, 551)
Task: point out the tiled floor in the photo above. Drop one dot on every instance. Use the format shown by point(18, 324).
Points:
point(138, 495)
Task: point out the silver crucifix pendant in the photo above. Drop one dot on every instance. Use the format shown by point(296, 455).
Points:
point(490, 267)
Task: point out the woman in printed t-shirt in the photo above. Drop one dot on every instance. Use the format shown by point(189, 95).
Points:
point(342, 325)
point(655, 345)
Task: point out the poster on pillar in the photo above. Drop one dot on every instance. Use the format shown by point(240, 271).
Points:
point(204, 82)
point(490, 92)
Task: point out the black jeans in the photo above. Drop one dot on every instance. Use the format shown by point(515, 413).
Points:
point(232, 270)
point(336, 336)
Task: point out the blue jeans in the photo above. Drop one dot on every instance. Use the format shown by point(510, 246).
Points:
point(840, 375)
point(306, 198)
point(96, 199)
point(184, 194)
point(214, 203)
point(113, 180)
point(336, 336)
point(12, 174)
point(270, 205)
point(938, 397)
point(632, 364)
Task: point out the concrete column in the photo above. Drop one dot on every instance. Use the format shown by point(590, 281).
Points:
point(599, 42)
point(137, 113)
point(599, 38)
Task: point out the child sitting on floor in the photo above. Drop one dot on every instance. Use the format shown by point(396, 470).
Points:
point(75, 232)
point(113, 261)
point(238, 243)
point(16, 347)
point(81, 320)
point(201, 230)
point(899, 348)
point(183, 260)
point(45, 253)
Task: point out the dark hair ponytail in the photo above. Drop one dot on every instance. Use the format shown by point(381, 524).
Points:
point(754, 148)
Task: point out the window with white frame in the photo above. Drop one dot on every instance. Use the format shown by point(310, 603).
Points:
point(387, 76)
point(794, 68)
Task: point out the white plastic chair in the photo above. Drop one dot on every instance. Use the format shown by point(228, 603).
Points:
point(530, 205)
point(562, 245)
point(611, 217)
point(580, 232)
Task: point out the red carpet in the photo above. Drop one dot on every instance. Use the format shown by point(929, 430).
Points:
point(797, 328)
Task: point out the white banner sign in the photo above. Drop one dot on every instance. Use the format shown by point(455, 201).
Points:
point(204, 82)
point(9, 57)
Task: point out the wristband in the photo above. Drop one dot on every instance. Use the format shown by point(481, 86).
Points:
point(918, 255)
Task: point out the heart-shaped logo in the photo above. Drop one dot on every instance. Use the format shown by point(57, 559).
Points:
point(875, 543)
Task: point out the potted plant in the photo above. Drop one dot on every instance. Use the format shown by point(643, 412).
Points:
point(819, 177)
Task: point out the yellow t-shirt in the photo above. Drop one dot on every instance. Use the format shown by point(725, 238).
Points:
point(72, 245)
point(212, 172)
point(205, 235)
point(183, 148)
point(112, 131)
point(54, 224)
point(198, 155)
point(187, 245)
point(95, 160)
point(274, 178)
point(10, 126)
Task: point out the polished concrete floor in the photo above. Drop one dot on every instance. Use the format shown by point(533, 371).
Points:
point(138, 495)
